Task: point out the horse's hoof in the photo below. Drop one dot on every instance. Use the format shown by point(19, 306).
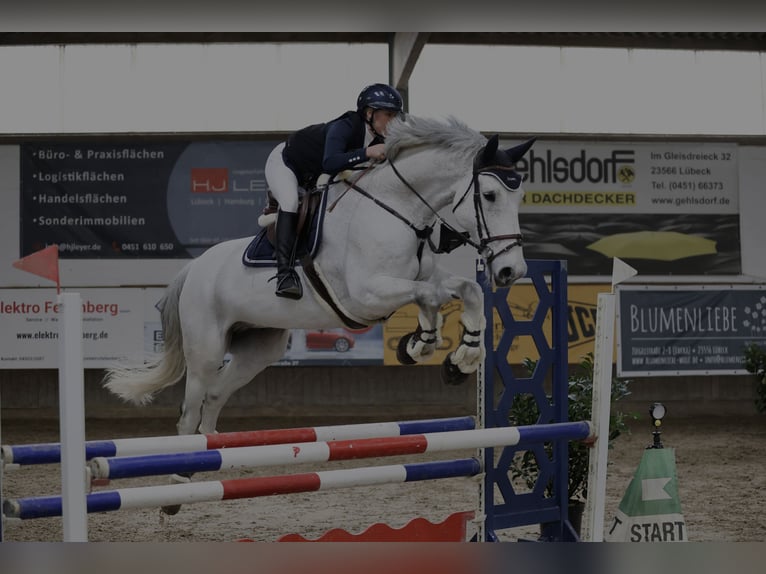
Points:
point(178, 478)
point(170, 510)
point(401, 350)
point(451, 374)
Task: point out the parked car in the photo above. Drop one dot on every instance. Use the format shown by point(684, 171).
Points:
point(324, 340)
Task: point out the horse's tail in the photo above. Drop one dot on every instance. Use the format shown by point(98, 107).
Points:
point(140, 383)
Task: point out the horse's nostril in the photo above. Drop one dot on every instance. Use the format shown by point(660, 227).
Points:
point(505, 275)
point(508, 275)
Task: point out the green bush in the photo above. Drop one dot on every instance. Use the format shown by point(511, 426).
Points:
point(755, 362)
point(524, 411)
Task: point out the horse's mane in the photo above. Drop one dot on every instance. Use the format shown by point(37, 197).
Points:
point(450, 133)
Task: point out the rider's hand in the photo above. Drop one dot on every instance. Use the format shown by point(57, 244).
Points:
point(377, 152)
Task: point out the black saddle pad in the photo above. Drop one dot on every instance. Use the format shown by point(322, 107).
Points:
point(260, 251)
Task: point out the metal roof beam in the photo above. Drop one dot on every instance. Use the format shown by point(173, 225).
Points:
point(739, 41)
point(404, 51)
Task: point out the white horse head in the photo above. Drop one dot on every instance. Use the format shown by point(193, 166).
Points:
point(489, 210)
point(479, 180)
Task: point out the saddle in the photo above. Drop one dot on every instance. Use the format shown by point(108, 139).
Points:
point(311, 207)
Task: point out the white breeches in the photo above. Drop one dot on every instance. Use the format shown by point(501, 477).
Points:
point(281, 180)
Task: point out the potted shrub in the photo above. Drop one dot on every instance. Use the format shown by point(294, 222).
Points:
point(755, 362)
point(524, 411)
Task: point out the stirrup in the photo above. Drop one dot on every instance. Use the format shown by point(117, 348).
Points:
point(289, 285)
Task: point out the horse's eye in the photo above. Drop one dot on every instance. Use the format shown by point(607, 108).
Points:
point(489, 195)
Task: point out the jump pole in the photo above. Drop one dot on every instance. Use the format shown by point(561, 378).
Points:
point(257, 456)
point(191, 492)
point(50, 453)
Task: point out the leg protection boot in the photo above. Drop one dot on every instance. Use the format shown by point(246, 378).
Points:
point(288, 282)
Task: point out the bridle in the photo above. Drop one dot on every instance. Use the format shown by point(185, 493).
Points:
point(510, 179)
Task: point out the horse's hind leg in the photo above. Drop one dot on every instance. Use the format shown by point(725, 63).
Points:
point(197, 372)
point(203, 367)
point(251, 352)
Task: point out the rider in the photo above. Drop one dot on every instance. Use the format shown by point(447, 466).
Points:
point(346, 141)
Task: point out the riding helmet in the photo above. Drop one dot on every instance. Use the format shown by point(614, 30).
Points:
point(379, 97)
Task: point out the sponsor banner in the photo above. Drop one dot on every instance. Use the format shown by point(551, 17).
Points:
point(581, 324)
point(620, 177)
point(688, 330)
point(665, 209)
point(175, 199)
point(139, 200)
point(112, 322)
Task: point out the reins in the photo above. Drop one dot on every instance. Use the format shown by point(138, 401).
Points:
point(422, 234)
point(349, 184)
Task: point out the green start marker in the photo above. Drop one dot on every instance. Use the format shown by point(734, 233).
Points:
point(650, 510)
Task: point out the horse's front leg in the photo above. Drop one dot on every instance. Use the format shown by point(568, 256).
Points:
point(421, 344)
point(467, 357)
point(385, 293)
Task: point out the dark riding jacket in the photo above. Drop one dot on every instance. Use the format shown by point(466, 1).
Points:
point(326, 148)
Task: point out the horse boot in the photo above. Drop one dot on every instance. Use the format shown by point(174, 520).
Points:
point(288, 282)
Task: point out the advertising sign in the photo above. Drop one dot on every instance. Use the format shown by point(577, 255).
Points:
point(664, 208)
point(145, 200)
point(112, 324)
point(688, 330)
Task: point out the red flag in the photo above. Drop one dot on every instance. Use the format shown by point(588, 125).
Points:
point(44, 263)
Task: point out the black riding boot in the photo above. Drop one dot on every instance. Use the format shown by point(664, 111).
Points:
point(288, 282)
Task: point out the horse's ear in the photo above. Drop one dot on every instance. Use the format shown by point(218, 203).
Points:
point(490, 150)
point(517, 152)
